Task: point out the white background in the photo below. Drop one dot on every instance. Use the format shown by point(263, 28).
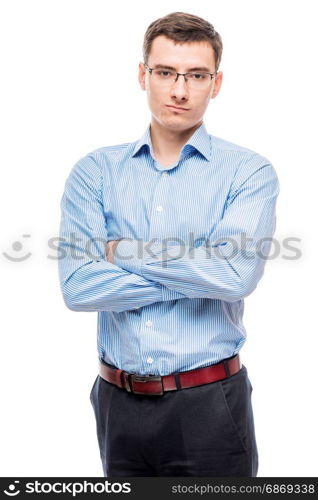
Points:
point(59, 101)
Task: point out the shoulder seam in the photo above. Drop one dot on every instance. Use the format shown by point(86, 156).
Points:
point(114, 147)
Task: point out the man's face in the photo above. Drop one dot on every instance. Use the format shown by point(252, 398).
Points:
point(182, 57)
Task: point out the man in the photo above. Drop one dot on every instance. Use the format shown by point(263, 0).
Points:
point(186, 220)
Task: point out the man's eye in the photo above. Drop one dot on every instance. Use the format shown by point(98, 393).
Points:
point(197, 76)
point(164, 73)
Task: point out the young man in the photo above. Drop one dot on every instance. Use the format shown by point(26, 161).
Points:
point(164, 237)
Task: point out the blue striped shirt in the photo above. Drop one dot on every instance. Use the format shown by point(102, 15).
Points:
point(195, 237)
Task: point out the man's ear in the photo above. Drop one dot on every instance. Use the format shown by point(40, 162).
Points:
point(142, 76)
point(217, 84)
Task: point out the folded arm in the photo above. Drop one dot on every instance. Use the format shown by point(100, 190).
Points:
point(88, 281)
point(230, 263)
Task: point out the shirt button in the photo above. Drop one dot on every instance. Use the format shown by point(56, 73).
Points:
point(149, 323)
point(165, 174)
point(159, 208)
point(149, 360)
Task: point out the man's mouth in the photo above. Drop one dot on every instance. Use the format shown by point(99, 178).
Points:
point(177, 108)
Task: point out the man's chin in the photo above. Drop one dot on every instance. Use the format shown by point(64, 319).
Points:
point(177, 123)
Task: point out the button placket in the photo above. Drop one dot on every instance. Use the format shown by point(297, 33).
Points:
point(156, 225)
point(159, 208)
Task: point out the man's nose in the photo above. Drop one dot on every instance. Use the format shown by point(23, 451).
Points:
point(179, 89)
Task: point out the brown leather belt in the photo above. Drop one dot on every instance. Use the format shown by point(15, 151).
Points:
point(153, 385)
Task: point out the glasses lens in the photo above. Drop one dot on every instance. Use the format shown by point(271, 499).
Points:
point(164, 75)
point(198, 80)
point(194, 80)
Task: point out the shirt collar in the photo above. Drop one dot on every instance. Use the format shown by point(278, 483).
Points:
point(200, 141)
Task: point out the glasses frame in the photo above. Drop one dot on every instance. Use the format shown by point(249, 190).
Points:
point(182, 74)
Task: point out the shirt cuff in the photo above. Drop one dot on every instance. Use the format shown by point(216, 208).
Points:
point(168, 294)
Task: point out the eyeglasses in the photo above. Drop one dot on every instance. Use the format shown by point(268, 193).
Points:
point(199, 80)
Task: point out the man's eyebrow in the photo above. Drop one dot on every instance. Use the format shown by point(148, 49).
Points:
point(199, 68)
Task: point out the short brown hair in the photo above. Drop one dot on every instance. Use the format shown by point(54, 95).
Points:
point(182, 27)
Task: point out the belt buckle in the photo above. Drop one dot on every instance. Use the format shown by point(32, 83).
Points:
point(127, 381)
point(148, 378)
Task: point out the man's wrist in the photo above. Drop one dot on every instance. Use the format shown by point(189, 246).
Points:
point(110, 249)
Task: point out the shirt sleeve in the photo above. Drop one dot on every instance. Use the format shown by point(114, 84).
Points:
point(231, 261)
point(88, 281)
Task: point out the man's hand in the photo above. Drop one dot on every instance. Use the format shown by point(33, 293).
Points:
point(110, 250)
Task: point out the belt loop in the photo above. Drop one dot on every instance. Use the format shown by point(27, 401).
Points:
point(177, 379)
point(226, 368)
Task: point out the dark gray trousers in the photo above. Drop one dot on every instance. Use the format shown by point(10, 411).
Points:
point(201, 431)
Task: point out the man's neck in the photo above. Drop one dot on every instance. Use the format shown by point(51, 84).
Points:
point(167, 143)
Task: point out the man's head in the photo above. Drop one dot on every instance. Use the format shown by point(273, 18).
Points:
point(183, 43)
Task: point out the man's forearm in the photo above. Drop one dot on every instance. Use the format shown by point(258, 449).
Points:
point(88, 281)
